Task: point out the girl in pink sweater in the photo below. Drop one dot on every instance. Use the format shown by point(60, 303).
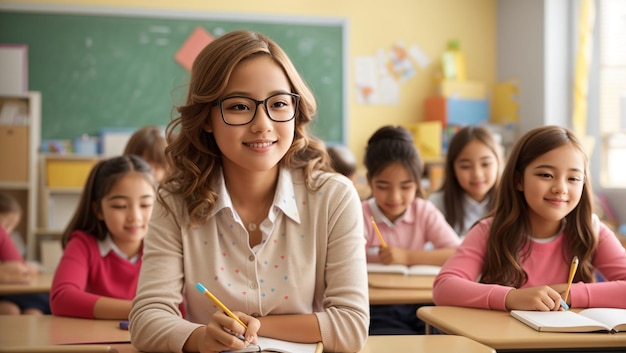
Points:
point(97, 275)
point(520, 258)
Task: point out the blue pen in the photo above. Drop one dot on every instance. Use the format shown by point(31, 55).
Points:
point(564, 304)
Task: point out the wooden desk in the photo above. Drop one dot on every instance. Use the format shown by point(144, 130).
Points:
point(379, 296)
point(399, 289)
point(374, 344)
point(28, 330)
point(420, 343)
point(499, 330)
point(396, 281)
point(41, 284)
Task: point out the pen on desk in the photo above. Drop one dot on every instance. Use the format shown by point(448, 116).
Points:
point(380, 236)
point(572, 271)
point(219, 304)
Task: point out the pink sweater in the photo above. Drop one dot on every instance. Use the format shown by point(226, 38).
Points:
point(83, 276)
point(457, 283)
point(8, 250)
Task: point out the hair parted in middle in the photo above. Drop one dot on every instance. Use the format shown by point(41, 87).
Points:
point(101, 180)
point(394, 144)
point(509, 241)
point(193, 154)
point(453, 192)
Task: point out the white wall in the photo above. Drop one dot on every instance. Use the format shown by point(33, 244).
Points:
point(536, 44)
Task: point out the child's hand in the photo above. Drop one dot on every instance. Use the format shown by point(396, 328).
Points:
point(14, 272)
point(542, 298)
point(393, 255)
point(223, 333)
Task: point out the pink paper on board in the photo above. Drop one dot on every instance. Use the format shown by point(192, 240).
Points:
point(187, 53)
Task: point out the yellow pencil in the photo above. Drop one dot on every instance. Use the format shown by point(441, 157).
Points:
point(380, 236)
point(219, 304)
point(572, 271)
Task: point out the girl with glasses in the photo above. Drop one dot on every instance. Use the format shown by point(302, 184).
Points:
point(252, 211)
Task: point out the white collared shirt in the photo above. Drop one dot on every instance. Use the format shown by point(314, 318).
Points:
point(107, 245)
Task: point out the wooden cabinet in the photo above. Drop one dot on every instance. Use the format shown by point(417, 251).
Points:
point(20, 135)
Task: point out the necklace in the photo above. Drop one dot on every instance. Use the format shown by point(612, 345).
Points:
point(254, 225)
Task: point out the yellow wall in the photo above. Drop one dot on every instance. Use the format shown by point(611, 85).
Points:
point(373, 25)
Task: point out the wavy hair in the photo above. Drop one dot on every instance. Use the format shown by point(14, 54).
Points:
point(509, 244)
point(102, 178)
point(394, 144)
point(193, 154)
point(452, 190)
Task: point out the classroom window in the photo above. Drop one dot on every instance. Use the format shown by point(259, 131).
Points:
point(612, 91)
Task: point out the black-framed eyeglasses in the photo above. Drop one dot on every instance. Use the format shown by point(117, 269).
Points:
point(241, 110)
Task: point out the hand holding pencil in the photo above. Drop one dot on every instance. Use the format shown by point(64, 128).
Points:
point(246, 340)
point(572, 271)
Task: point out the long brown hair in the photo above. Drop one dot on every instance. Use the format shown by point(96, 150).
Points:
point(452, 190)
point(508, 236)
point(193, 154)
point(102, 178)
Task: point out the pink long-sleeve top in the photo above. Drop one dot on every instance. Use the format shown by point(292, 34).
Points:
point(457, 283)
point(8, 250)
point(421, 223)
point(86, 272)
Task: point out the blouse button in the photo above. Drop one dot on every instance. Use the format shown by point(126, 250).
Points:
point(253, 285)
point(251, 258)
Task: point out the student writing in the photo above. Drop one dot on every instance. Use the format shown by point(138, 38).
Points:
point(520, 257)
point(98, 272)
point(149, 143)
point(253, 211)
point(472, 170)
point(406, 220)
point(13, 268)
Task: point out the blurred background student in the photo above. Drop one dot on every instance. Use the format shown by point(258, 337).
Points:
point(149, 143)
point(103, 243)
point(472, 171)
point(13, 268)
point(406, 221)
point(343, 161)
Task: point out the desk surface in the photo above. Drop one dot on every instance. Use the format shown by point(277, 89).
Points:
point(387, 288)
point(499, 330)
point(396, 281)
point(41, 284)
point(381, 296)
point(374, 344)
point(30, 330)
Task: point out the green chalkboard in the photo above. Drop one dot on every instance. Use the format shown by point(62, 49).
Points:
point(117, 70)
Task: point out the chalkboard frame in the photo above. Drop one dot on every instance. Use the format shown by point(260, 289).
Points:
point(83, 10)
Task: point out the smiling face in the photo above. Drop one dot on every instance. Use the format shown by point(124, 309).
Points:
point(127, 208)
point(552, 185)
point(394, 189)
point(261, 144)
point(476, 169)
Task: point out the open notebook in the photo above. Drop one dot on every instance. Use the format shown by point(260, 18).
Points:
point(588, 320)
point(266, 344)
point(415, 270)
